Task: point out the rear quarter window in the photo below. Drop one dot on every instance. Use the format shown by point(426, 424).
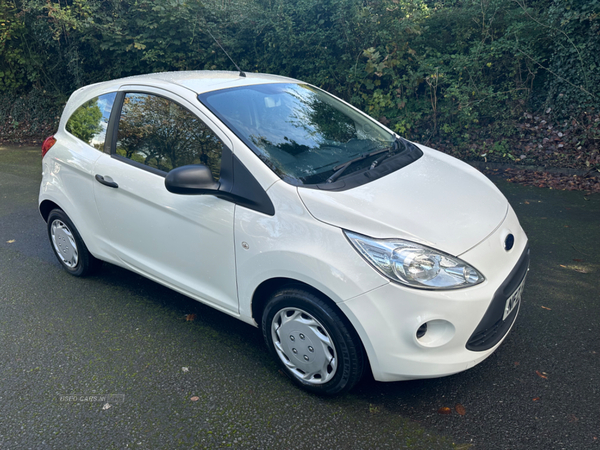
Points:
point(90, 121)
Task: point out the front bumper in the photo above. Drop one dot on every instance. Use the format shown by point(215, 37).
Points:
point(494, 325)
point(463, 327)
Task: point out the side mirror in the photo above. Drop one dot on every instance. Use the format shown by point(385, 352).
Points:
point(194, 179)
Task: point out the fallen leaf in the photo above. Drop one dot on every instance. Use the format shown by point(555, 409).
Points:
point(190, 317)
point(545, 307)
point(572, 418)
point(10, 242)
point(460, 409)
point(541, 375)
point(517, 363)
point(563, 266)
point(444, 410)
point(195, 398)
point(536, 399)
point(578, 260)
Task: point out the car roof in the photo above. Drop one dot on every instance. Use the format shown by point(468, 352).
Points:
point(200, 81)
point(196, 81)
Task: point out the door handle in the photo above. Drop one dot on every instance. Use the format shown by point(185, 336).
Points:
point(100, 179)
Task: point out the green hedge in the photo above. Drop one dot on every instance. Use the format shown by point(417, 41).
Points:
point(452, 72)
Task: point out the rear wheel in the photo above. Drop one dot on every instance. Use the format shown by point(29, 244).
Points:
point(314, 345)
point(69, 248)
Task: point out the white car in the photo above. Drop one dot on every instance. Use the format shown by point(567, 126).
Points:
point(279, 204)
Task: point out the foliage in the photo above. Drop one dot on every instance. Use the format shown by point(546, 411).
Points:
point(11, 30)
point(447, 71)
point(575, 59)
point(31, 115)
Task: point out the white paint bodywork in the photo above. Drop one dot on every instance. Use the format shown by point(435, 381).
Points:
point(219, 253)
point(420, 203)
point(391, 315)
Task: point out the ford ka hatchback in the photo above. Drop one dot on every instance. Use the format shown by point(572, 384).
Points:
point(273, 201)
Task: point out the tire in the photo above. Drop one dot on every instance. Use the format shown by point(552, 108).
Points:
point(68, 247)
point(314, 345)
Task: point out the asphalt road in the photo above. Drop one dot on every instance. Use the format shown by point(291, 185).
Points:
point(110, 361)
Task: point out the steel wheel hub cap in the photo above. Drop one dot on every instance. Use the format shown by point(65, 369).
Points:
point(304, 345)
point(64, 243)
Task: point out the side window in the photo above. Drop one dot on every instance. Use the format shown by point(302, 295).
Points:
point(90, 120)
point(162, 134)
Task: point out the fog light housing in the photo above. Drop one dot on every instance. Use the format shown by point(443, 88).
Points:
point(435, 333)
point(421, 331)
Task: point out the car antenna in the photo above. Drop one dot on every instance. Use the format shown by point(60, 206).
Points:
point(242, 74)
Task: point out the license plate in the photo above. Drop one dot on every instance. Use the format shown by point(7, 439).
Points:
point(513, 300)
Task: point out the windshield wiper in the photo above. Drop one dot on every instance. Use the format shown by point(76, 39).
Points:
point(398, 146)
point(394, 149)
point(339, 170)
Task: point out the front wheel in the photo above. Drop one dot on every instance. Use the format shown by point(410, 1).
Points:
point(313, 344)
point(69, 248)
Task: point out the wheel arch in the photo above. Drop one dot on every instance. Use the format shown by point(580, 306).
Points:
point(267, 288)
point(263, 292)
point(46, 206)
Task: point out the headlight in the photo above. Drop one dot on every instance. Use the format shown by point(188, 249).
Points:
point(415, 265)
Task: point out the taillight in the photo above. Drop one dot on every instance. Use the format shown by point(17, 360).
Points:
point(47, 145)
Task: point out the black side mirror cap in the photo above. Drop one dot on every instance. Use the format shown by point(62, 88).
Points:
point(194, 179)
point(242, 190)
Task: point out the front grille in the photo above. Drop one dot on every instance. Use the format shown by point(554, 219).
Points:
point(492, 328)
point(489, 337)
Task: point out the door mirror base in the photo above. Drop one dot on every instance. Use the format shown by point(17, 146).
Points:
point(241, 188)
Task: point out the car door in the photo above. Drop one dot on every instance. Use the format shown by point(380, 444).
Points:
point(183, 241)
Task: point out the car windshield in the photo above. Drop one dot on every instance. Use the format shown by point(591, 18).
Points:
point(302, 133)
